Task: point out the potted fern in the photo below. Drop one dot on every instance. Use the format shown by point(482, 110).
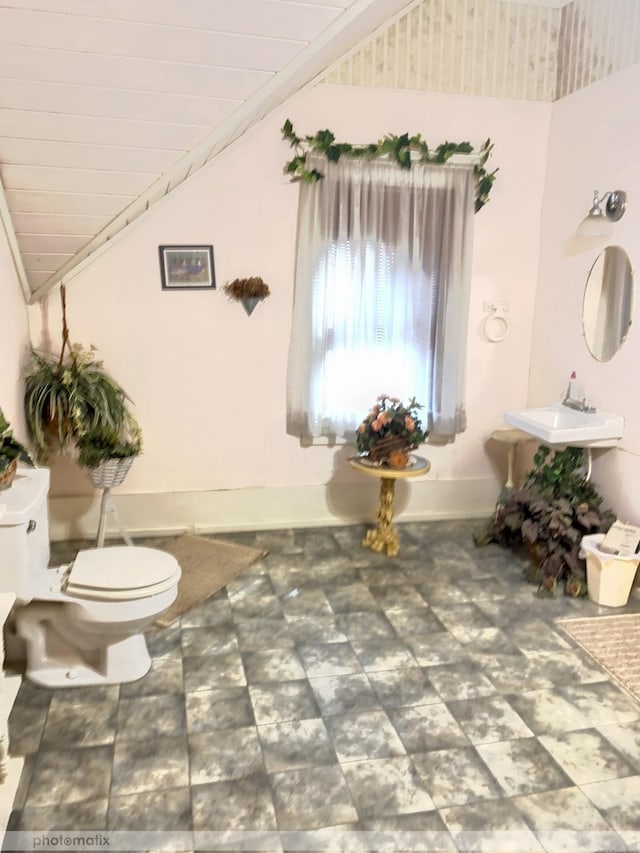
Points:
point(70, 395)
point(106, 455)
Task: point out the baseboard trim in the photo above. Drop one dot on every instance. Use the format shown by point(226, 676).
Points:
point(333, 504)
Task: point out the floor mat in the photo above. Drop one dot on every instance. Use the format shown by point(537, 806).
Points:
point(612, 641)
point(207, 566)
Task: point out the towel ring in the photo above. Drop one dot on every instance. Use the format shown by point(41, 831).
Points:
point(495, 325)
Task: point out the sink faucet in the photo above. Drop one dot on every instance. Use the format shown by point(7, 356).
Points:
point(578, 405)
point(572, 402)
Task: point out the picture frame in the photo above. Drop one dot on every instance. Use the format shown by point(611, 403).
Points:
point(187, 267)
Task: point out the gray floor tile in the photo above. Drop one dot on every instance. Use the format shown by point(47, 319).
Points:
point(210, 671)
point(334, 691)
point(489, 827)
point(295, 744)
point(272, 665)
point(238, 805)
point(363, 735)
point(399, 688)
point(339, 694)
point(85, 815)
point(153, 810)
point(488, 719)
point(329, 659)
point(224, 708)
point(382, 654)
point(149, 765)
point(463, 680)
point(618, 800)
point(626, 739)
point(586, 756)
point(426, 727)
point(80, 725)
point(165, 676)
point(312, 797)
point(210, 640)
point(281, 701)
point(364, 626)
point(522, 766)
point(456, 776)
point(547, 712)
point(155, 715)
point(602, 703)
point(387, 787)
point(71, 776)
point(259, 634)
point(418, 620)
point(225, 754)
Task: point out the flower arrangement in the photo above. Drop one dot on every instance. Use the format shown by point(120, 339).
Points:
point(247, 288)
point(390, 425)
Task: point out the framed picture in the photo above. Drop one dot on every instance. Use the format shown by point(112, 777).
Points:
point(187, 267)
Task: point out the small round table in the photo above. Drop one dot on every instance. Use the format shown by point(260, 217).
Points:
point(384, 537)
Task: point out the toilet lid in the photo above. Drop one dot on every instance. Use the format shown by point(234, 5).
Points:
point(122, 571)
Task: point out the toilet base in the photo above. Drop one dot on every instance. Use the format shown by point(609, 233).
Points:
point(52, 662)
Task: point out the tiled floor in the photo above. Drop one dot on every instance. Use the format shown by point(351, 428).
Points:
point(424, 702)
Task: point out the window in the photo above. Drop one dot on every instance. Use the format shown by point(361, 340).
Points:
point(381, 295)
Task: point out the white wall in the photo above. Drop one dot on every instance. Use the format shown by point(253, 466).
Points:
point(209, 382)
point(14, 340)
point(595, 135)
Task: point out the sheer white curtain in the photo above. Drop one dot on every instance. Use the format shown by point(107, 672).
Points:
point(381, 295)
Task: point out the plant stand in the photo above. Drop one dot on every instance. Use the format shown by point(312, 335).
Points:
point(105, 476)
point(384, 537)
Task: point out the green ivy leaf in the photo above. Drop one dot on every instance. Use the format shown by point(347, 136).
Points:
point(400, 148)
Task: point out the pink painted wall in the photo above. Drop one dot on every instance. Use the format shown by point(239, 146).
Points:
point(14, 338)
point(595, 134)
point(209, 382)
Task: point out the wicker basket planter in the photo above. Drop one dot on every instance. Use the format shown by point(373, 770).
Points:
point(8, 475)
point(391, 443)
point(110, 473)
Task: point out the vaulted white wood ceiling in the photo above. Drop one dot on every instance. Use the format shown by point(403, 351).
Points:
point(106, 105)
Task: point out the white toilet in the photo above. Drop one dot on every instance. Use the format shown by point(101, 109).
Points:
point(82, 624)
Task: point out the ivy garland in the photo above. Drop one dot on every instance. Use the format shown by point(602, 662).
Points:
point(397, 148)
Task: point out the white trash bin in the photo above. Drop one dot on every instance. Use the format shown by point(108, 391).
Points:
point(609, 576)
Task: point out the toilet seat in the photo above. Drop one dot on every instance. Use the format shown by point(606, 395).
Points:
point(121, 573)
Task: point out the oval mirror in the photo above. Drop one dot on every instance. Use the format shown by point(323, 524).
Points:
point(608, 303)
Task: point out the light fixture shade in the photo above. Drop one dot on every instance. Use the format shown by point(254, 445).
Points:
point(597, 223)
point(594, 226)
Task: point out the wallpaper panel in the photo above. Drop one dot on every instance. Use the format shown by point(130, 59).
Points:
point(498, 48)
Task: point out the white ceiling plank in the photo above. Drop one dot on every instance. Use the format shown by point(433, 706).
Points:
point(275, 19)
point(23, 124)
point(73, 155)
point(37, 279)
point(34, 202)
point(44, 263)
point(171, 44)
point(362, 18)
point(113, 103)
point(58, 223)
point(52, 244)
point(8, 226)
point(68, 66)
point(75, 180)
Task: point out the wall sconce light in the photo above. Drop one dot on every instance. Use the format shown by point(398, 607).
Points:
point(597, 223)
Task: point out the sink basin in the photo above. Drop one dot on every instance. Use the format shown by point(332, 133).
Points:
point(558, 424)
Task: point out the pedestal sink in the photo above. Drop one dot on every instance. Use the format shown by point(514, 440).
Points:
point(559, 424)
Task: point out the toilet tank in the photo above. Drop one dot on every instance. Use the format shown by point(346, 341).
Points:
point(24, 533)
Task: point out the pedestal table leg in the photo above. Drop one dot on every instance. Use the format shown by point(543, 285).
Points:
point(385, 536)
